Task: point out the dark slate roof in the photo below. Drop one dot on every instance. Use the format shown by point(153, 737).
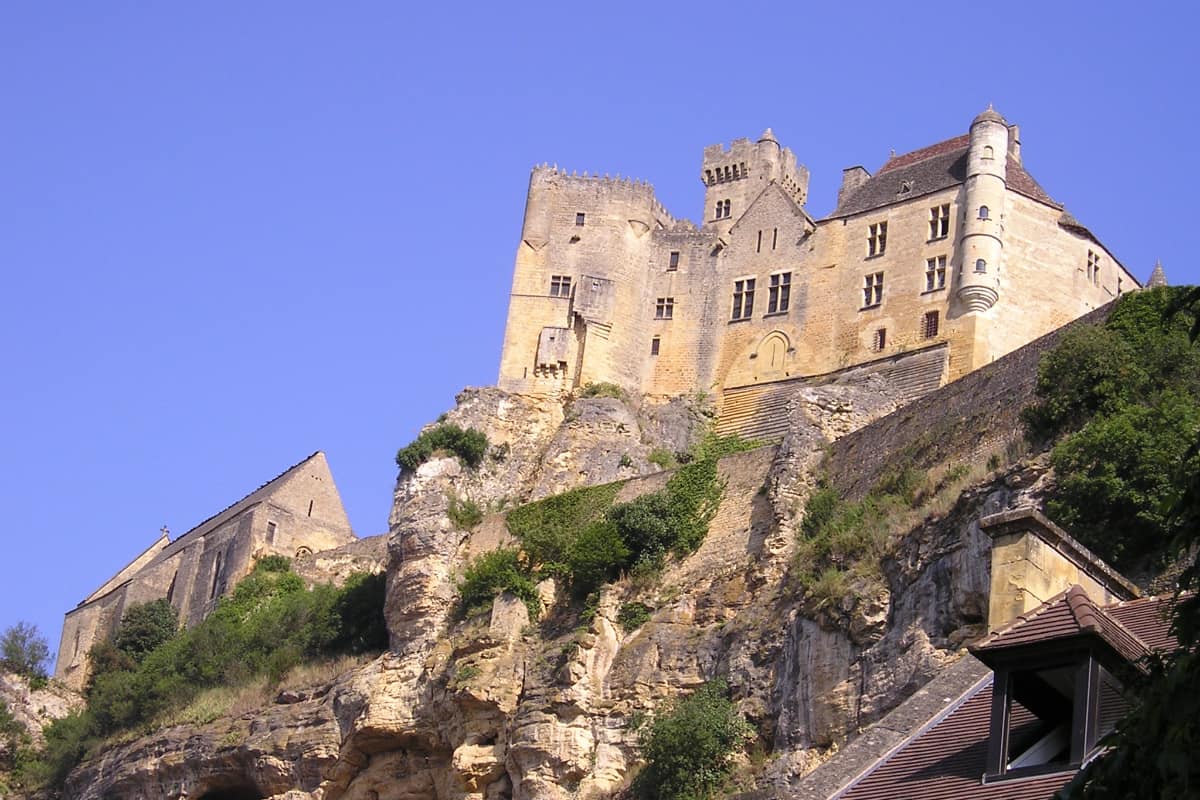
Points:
point(946, 759)
point(925, 171)
point(1070, 614)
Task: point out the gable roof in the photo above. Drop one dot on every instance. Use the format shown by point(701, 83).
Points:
point(1068, 615)
point(796, 208)
point(162, 548)
point(928, 170)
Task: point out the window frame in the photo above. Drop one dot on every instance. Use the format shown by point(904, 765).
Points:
point(664, 308)
point(872, 290)
point(743, 298)
point(560, 285)
point(935, 274)
point(877, 233)
point(939, 222)
point(779, 292)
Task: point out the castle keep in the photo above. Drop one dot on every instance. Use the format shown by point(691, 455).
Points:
point(295, 514)
point(945, 259)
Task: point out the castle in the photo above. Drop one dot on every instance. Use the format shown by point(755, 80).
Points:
point(295, 514)
point(947, 258)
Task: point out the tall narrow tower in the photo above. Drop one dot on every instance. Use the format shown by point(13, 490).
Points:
point(733, 177)
point(983, 241)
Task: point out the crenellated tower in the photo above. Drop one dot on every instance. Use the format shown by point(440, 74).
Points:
point(984, 199)
point(734, 177)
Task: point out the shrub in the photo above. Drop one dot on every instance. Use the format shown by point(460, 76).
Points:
point(468, 445)
point(465, 513)
point(144, 627)
point(632, 616)
point(602, 389)
point(23, 650)
point(689, 749)
point(712, 446)
point(662, 458)
point(494, 572)
point(596, 556)
point(546, 528)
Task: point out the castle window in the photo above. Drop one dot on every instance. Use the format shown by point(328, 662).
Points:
point(310, 507)
point(580, 218)
point(743, 298)
point(779, 293)
point(673, 261)
point(980, 265)
point(655, 343)
point(988, 152)
point(744, 172)
point(271, 528)
point(877, 239)
point(983, 212)
point(736, 175)
point(727, 173)
point(774, 237)
point(1093, 267)
point(725, 209)
point(708, 177)
point(664, 308)
point(935, 273)
point(929, 327)
point(560, 285)
point(879, 340)
point(939, 222)
point(758, 247)
point(872, 289)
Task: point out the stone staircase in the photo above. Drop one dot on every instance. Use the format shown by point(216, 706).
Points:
point(760, 411)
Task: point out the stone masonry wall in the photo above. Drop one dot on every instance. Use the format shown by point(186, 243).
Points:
point(966, 420)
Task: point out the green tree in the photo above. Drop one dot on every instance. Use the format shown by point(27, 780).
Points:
point(144, 627)
point(689, 749)
point(1153, 749)
point(23, 650)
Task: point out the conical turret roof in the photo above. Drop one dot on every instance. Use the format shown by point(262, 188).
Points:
point(1157, 277)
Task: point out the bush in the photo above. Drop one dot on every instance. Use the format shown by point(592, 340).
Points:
point(494, 572)
point(602, 390)
point(547, 528)
point(662, 458)
point(464, 513)
point(23, 650)
point(144, 627)
point(633, 616)
point(689, 749)
point(470, 446)
point(712, 446)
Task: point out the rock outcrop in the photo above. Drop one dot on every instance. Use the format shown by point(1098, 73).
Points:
point(539, 708)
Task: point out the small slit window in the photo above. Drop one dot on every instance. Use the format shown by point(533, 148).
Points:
point(983, 212)
point(655, 344)
point(580, 219)
point(673, 261)
point(980, 265)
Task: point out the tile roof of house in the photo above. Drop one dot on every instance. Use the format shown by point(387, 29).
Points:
point(1069, 614)
point(927, 170)
point(946, 757)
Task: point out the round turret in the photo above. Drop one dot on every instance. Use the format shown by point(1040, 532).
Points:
point(989, 114)
point(984, 201)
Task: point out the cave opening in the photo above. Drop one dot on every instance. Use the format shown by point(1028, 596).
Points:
point(244, 791)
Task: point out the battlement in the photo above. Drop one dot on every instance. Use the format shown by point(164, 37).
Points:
point(632, 188)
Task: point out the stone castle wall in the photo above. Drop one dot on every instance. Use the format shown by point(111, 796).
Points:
point(642, 259)
point(966, 421)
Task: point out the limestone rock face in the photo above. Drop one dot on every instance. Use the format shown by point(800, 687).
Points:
point(36, 708)
point(539, 706)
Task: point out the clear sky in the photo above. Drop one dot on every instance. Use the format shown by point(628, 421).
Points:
point(235, 233)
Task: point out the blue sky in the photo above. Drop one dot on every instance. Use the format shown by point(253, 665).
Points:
point(235, 233)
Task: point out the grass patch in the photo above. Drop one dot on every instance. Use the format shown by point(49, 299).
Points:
point(662, 458)
point(602, 389)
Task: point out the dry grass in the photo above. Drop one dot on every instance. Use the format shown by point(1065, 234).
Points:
point(258, 693)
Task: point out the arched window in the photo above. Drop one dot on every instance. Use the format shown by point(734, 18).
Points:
point(983, 212)
point(988, 152)
point(708, 177)
point(980, 265)
point(727, 206)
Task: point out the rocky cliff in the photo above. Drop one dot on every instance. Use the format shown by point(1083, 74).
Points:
point(502, 705)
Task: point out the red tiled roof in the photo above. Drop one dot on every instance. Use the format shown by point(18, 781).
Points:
point(1066, 615)
point(947, 760)
point(1148, 618)
point(941, 148)
point(927, 170)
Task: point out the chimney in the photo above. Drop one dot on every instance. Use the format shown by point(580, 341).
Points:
point(1014, 143)
point(852, 178)
point(1033, 560)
